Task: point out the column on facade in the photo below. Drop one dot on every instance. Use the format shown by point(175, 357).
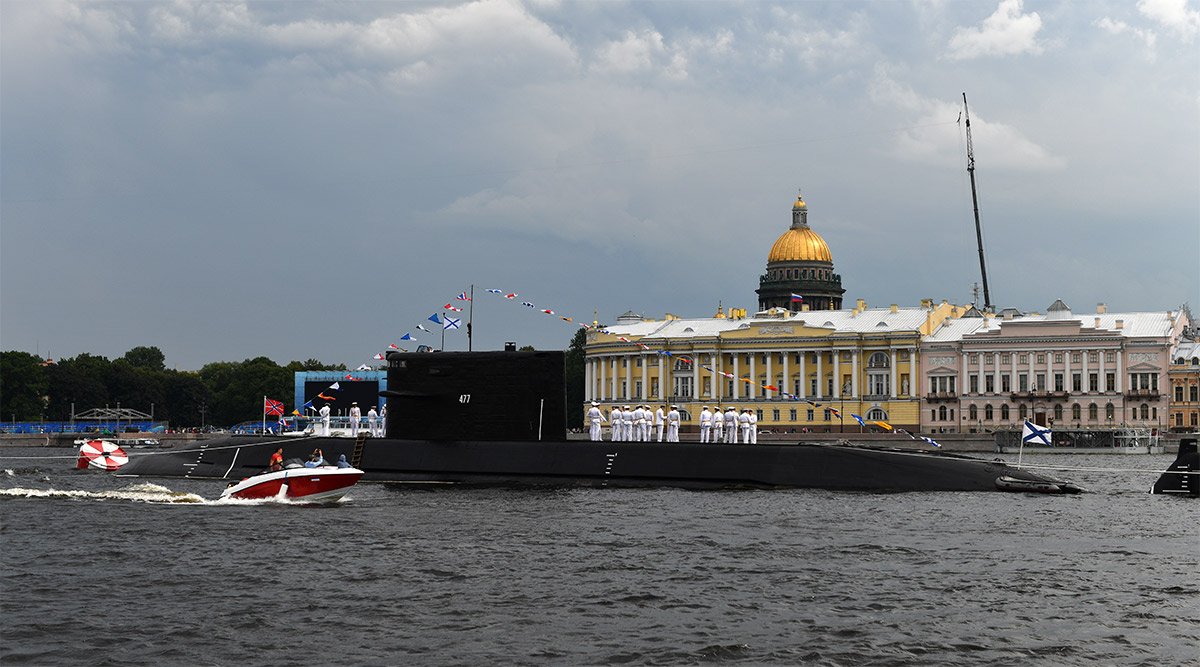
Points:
point(803, 374)
point(893, 355)
point(614, 378)
point(718, 368)
point(979, 381)
point(695, 376)
point(1033, 370)
point(645, 396)
point(787, 378)
point(1012, 370)
point(1083, 373)
point(627, 362)
point(837, 374)
point(662, 379)
point(965, 378)
point(1100, 372)
point(752, 385)
point(1117, 379)
point(737, 377)
point(1067, 387)
point(770, 374)
point(600, 369)
point(820, 375)
point(587, 381)
point(855, 355)
point(996, 372)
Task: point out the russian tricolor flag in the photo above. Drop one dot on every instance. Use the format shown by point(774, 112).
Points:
point(796, 297)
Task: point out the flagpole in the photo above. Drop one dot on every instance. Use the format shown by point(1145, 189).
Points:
point(264, 414)
point(443, 333)
point(470, 316)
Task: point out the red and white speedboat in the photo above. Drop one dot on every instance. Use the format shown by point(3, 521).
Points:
point(323, 484)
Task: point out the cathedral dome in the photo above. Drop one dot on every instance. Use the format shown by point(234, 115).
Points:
point(800, 244)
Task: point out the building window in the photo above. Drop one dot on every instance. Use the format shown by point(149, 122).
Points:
point(973, 384)
point(1076, 382)
point(1057, 413)
point(828, 415)
point(1076, 357)
point(1041, 382)
point(1041, 358)
point(876, 414)
point(792, 414)
point(974, 357)
point(1093, 383)
point(1004, 412)
point(1109, 381)
point(758, 414)
point(878, 360)
point(1093, 412)
point(1110, 357)
point(1058, 382)
point(1195, 416)
point(1005, 358)
point(1093, 357)
point(972, 413)
point(987, 413)
point(941, 413)
point(810, 414)
point(1058, 357)
point(1022, 413)
point(1022, 382)
point(932, 414)
point(1178, 394)
point(1022, 358)
point(1192, 393)
point(1109, 412)
point(1005, 384)
point(1076, 412)
point(1145, 411)
point(775, 415)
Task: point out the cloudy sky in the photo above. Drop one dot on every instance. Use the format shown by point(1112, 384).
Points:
point(311, 180)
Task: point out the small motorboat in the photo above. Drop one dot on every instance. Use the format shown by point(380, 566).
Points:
point(296, 482)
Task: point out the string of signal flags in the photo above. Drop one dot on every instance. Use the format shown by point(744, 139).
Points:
point(446, 322)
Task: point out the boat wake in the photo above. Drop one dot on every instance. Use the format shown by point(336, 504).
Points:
point(142, 492)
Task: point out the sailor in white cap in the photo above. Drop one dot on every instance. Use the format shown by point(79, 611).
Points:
point(614, 416)
point(383, 420)
point(639, 420)
point(705, 424)
point(660, 421)
point(372, 422)
point(355, 418)
point(718, 432)
point(324, 412)
point(754, 427)
point(647, 422)
point(594, 418)
point(673, 424)
point(744, 421)
point(731, 426)
point(627, 421)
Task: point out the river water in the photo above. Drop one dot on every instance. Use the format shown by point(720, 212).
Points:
point(101, 570)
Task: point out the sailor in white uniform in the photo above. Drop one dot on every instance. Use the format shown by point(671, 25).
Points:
point(718, 432)
point(648, 423)
point(705, 424)
point(753, 427)
point(324, 412)
point(731, 426)
point(372, 422)
point(614, 416)
point(744, 421)
point(594, 418)
point(355, 418)
point(627, 420)
point(638, 418)
point(382, 420)
point(673, 424)
point(660, 421)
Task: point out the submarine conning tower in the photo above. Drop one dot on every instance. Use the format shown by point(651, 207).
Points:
point(1181, 478)
point(457, 396)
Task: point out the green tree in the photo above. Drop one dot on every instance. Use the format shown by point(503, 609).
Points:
point(148, 358)
point(238, 388)
point(23, 386)
point(573, 377)
point(82, 381)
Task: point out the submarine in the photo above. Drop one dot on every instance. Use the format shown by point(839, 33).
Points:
point(499, 418)
point(1182, 477)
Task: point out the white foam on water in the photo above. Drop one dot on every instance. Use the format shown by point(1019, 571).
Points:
point(144, 492)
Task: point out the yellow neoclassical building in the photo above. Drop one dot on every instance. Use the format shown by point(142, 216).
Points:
point(800, 362)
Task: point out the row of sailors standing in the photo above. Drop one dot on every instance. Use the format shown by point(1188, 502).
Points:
point(634, 424)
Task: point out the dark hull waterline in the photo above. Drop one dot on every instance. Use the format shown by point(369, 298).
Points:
point(615, 464)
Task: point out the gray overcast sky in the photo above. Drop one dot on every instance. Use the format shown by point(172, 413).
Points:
point(296, 180)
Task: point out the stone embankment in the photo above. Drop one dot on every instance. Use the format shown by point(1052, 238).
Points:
point(68, 439)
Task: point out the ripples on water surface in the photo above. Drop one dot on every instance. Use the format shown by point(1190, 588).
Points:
point(100, 570)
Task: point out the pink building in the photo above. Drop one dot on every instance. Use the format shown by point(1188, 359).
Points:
point(1077, 371)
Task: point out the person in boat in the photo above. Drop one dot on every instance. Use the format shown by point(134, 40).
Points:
point(276, 461)
point(342, 462)
point(316, 460)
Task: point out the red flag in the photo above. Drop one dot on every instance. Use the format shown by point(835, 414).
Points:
point(273, 407)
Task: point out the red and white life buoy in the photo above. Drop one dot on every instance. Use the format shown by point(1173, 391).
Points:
point(102, 455)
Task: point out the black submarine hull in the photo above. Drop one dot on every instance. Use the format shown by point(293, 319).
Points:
point(500, 418)
point(601, 464)
point(1182, 478)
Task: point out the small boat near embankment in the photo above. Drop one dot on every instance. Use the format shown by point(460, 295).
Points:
point(294, 481)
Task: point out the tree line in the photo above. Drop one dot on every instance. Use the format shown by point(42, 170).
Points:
point(221, 393)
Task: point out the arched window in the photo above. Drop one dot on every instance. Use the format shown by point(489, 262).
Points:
point(942, 413)
point(1004, 412)
point(1093, 412)
point(879, 360)
point(1075, 412)
point(1109, 412)
point(1058, 413)
point(877, 414)
point(972, 413)
point(1022, 413)
point(1145, 411)
point(987, 413)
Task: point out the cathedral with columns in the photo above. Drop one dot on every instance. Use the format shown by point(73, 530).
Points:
point(803, 363)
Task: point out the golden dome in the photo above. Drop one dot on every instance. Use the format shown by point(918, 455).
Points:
point(799, 205)
point(800, 244)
